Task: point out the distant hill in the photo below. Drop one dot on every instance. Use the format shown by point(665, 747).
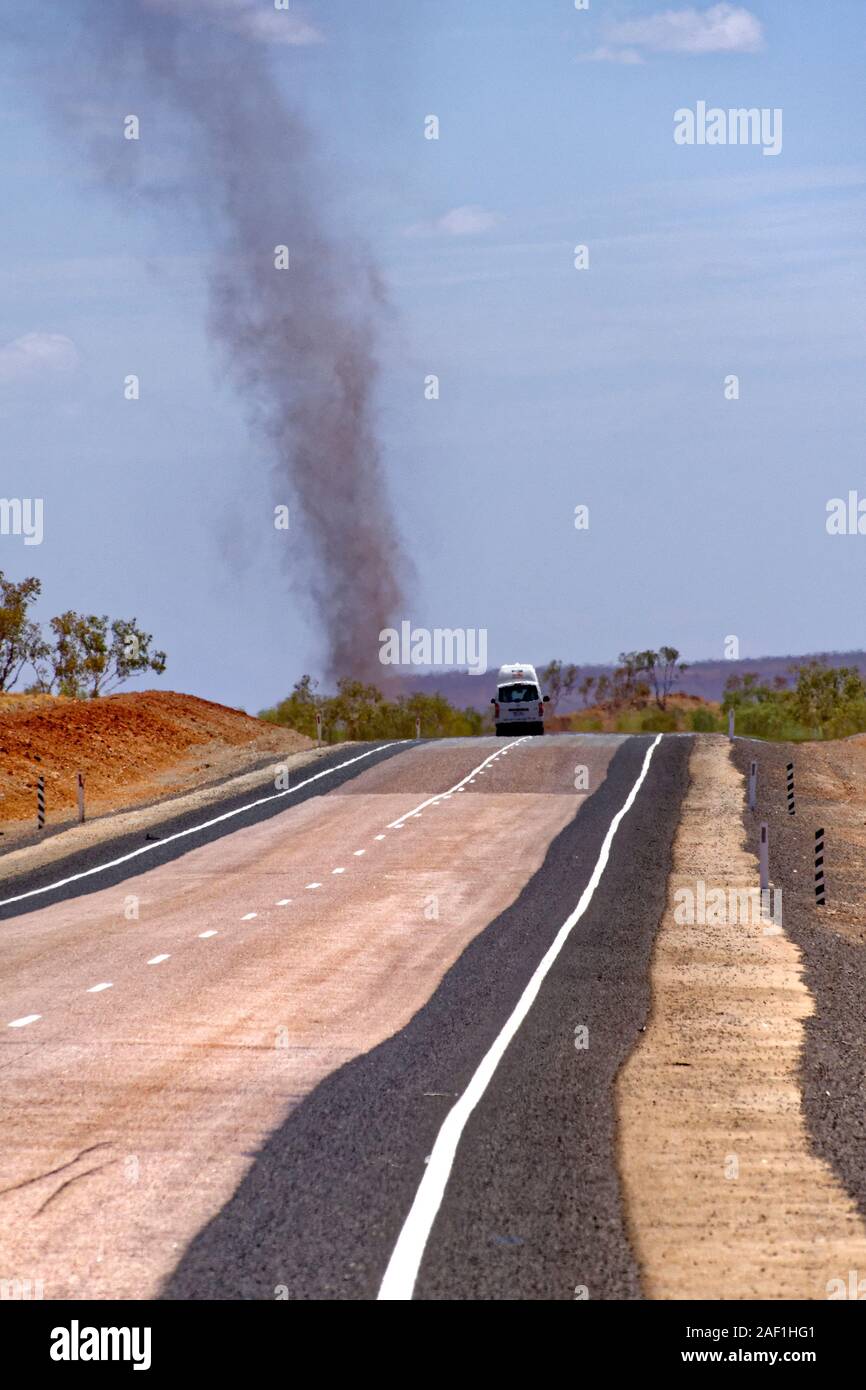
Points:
point(703, 678)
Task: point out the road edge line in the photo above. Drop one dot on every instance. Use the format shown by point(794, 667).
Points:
point(398, 1282)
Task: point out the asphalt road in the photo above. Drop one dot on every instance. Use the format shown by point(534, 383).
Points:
point(227, 1058)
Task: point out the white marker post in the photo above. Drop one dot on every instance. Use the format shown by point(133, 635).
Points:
point(417, 726)
point(753, 785)
point(80, 797)
point(319, 727)
point(731, 725)
point(764, 857)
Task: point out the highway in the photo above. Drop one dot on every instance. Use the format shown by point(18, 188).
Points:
point(356, 1041)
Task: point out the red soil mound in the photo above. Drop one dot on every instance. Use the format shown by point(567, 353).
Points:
point(131, 748)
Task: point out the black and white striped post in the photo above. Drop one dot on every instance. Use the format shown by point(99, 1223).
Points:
point(80, 777)
point(820, 889)
point(40, 803)
point(753, 785)
point(731, 725)
point(318, 726)
point(789, 778)
point(764, 857)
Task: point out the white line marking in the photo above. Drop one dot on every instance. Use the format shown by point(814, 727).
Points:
point(23, 1022)
point(284, 902)
point(458, 787)
point(157, 960)
point(248, 916)
point(405, 1261)
point(338, 871)
point(360, 851)
point(313, 885)
point(379, 837)
point(194, 829)
point(203, 935)
point(95, 989)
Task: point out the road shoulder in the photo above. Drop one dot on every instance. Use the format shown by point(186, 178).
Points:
point(725, 1197)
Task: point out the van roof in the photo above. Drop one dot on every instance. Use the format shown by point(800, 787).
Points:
point(517, 672)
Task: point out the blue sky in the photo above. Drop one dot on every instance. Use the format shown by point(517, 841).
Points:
point(557, 386)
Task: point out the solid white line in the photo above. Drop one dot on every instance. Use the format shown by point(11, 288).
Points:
point(95, 989)
point(23, 1022)
point(157, 960)
point(458, 786)
point(193, 829)
point(405, 1261)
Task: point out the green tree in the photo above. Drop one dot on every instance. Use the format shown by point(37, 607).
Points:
point(558, 681)
point(824, 693)
point(21, 641)
point(360, 711)
point(664, 669)
point(90, 658)
point(627, 687)
point(297, 710)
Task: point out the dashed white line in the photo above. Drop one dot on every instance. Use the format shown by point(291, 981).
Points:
point(338, 871)
point(248, 916)
point(283, 902)
point(378, 837)
point(157, 960)
point(203, 935)
point(194, 829)
point(458, 787)
point(313, 885)
point(405, 1261)
point(360, 851)
point(23, 1022)
point(97, 989)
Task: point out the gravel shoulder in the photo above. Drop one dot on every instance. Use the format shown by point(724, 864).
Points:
point(728, 1195)
point(830, 794)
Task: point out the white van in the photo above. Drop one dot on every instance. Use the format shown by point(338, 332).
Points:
point(518, 706)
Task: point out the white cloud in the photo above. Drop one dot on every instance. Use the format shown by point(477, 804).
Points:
point(36, 353)
point(723, 28)
point(248, 18)
point(464, 221)
point(606, 54)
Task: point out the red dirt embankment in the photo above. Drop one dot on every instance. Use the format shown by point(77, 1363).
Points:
point(131, 748)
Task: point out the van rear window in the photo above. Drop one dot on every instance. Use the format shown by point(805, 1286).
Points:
point(514, 694)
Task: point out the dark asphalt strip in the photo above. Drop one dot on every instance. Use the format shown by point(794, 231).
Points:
point(319, 1212)
point(162, 852)
point(833, 1061)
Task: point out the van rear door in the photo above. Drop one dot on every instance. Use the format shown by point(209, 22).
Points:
point(518, 703)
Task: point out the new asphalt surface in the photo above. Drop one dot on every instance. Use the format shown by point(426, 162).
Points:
point(533, 1208)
